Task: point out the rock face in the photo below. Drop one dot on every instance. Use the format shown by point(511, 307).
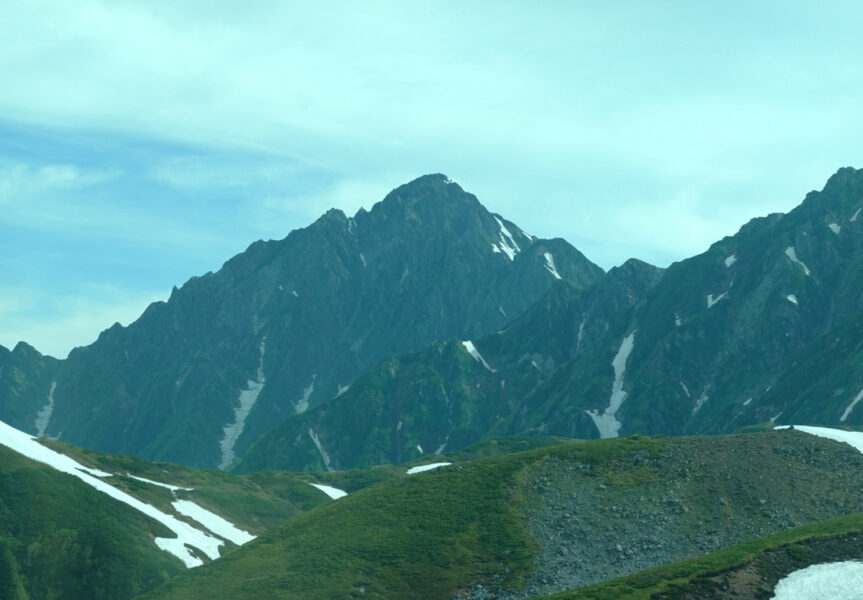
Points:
point(765, 325)
point(290, 324)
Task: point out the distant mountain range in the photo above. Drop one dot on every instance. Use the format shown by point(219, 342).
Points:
point(427, 324)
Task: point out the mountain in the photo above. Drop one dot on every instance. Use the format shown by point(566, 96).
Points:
point(765, 325)
point(541, 521)
point(288, 325)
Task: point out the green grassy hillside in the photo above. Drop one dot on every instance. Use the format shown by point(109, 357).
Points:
point(542, 520)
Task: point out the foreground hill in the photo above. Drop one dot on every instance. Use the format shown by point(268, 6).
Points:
point(541, 521)
point(287, 325)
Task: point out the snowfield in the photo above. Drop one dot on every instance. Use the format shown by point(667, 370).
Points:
point(429, 467)
point(334, 493)
point(187, 535)
point(833, 581)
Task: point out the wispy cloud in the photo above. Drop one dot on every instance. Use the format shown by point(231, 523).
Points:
point(54, 324)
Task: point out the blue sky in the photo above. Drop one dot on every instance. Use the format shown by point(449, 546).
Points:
point(144, 143)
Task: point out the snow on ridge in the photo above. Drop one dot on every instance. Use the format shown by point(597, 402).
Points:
point(43, 417)
point(835, 228)
point(334, 493)
point(302, 404)
point(791, 253)
point(471, 349)
point(852, 438)
point(791, 298)
point(730, 260)
point(324, 456)
point(837, 581)
point(606, 423)
point(247, 400)
point(186, 534)
point(851, 406)
point(711, 300)
point(549, 265)
point(428, 467)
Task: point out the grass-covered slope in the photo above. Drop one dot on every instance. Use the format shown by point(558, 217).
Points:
point(541, 521)
point(61, 539)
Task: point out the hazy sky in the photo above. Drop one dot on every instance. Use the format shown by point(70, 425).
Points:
point(142, 143)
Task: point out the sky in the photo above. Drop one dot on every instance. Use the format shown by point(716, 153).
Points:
point(143, 143)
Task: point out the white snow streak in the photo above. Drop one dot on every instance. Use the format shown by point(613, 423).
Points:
point(342, 390)
point(791, 253)
point(186, 534)
point(730, 260)
point(836, 581)
point(581, 332)
point(363, 258)
point(606, 423)
point(549, 265)
point(699, 403)
point(791, 298)
point(334, 493)
point(677, 320)
point(324, 456)
point(428, 467)
point(212, 522)
point(507, 243)
point(43, 417)
point(747, 402)
point(856, 214)
point(711, 300)
point(302, 404)
point(471, 349)
point(168, 486)
point(852, 438)
point(851, 406)
point(835, 228)
point(685, 389)
point(248, 398)
point(420, 449)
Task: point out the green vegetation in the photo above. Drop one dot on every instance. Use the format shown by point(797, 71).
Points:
point(61, 539)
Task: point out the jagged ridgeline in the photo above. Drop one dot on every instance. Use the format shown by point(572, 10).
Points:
point(288, 325)
point(764, 326)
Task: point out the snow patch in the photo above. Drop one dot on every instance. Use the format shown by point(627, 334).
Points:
point(730, 260)
point(507, 243)
point(43, 417)
point(685, 389)
point(471, 349)
point(549, 265)
point(699, 403)
point(852, 438)
point(302, 405)
point(747, 402)
point(342, 390)
point(324, 456)
point(363, 258)
point(428, 467)
point(791, 253)
point(213, 522)
point(294, 292)
point(773, 419)
point(856, 214)
point(420, 449)
point(334, 493)
point(606, 423)
point(502, 311)
point(186, 534)
point(580, 332)
point(440, 448)
point(835, 228)
point(851, 406)
point(791, 298)
point(677, 320)
point(168, 486)
point(711, 300)
point(836, 581)
point(248, 398)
